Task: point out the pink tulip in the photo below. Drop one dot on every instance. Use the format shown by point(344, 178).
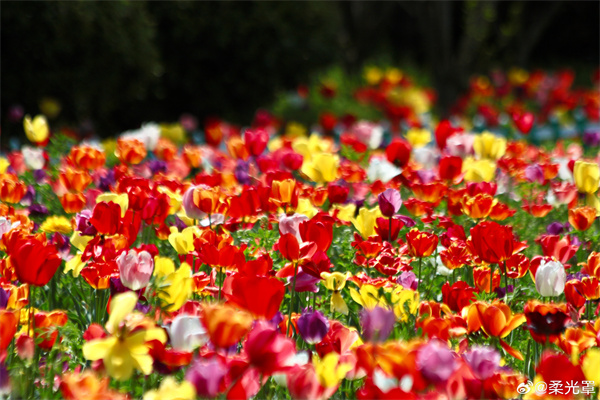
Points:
point(135, 268)
point(389, 202)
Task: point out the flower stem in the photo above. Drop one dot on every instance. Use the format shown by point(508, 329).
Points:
point(420, 267)
point(292, 299)
point(505, 283)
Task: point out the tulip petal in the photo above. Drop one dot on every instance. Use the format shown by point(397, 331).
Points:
point(99, 348)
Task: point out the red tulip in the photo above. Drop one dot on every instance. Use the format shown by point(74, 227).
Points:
point(318, 232)
point(450, 167)
point(256, 141)
point(269, 350)
point(492, 242)
point(398, 152)
point(259, 295)
point(106, 217)
point(34, 262)
point(523, 121)
point(458, 296)
point(421, 244)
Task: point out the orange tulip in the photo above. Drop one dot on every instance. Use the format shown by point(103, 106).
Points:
point(421, 244)
point(501, 211)
point(537, 209)
point(456, 255)
point(12, 189)
point(8, 323)
point(237, 148)
point(593, 264)
point(417, 207)
point(75, 179)
point(73, 202)
point(576, 340)
point(46, 324)
point(481, 276)
point(207, 200)
point(582, 218)
point(429, 192)
point(284, 193)
point(590, 288)
point(130, 151)
point(87, 157)
point(496, 320)
point(165, 150)
point(225, 325)
point(478, 206)
point(192, 155)
point(75, 386)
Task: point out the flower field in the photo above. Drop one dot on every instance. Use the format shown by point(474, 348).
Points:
point(374, 252)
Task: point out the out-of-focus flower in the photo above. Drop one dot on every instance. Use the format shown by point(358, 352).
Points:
point(206, 376)
point(56, 224)
point(478, 170)
point(130, 151)
point(398, 152)
point(330, 371)
point(36, 130)
point(550, 278)
point(73, 202)
point(487, 145)
point(12, 190)
point(377, 324)
point(225, 325)
point(269, 350)
point(87, 157)
point(382, 170)
point(436, 362)
point(313, 326)
point(587, 176)
point(322, 167)
point(483, 361)
point(34, 157)
point(171, 390)
point(124, 350)
point(187, 333)
point(582, 218)
point(418, 137)
point(86, 385)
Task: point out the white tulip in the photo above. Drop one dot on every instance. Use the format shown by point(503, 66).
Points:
point(550, 278)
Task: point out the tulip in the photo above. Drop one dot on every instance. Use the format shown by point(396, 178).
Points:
point(365, 222)
point(487, 145)
point(256, 141)
point(170, 389)
point(291, 224)
point(421, 244)
point(75, 386)
point(175, 285)
point(322, 167)
point(587, 176)
point(135, 268)
point(36, 130)
point(418, 137)
point(582, 218)
point(267, 349)
point(313, 326)
point(377, 323)
point(206, 376)
point(87, 157)
point(337, 193)
point(545, 321)
point(458, 296)
point(450, 168)
point(550, 278)
point(483, 361)
point(335, 282)
point(478, 170)
point(436, 362)
point(187, 333)
point(493, 243)
point(389, 202)
point(330, 371)
point(12, 190)
point(130, 151)
point(225, 325)
point(260, 295)
point(34, 262)
point(398, 152)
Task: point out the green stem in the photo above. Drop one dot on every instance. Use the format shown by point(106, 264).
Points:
point(420, 267)
point(292, 299)
point(505, 283)
point(527, 360)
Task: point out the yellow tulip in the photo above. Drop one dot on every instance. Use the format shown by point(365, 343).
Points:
point(365, 222)
point(336, 281)
point(3, 165)
point(175, 286)
point(305, 207)
point(182, 242)
point(75, 264)
point(294, 129)
point(488, 145)
point(587, 176)
point(80, 241)
point(344, 212)
point(322, 167)
point(125, 350)
point(312, 145)
point(121, 199)
point(170, 389)
point(329, 370)
point(36, 130)
point(418, 137)
point(373, 75)
point(368, 297)
point(173, 132)
point(175, 199)
point(393, 75)
point(478, 170)
point(590, 366)
point(402, 297)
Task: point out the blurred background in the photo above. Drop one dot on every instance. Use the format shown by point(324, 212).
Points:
point(106, 67)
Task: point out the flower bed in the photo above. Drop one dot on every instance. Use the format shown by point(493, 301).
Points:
point(398, 258)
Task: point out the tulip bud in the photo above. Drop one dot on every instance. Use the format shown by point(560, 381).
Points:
point(135, 268)
point(389, 202)
point(550, 278)
point(313, 326)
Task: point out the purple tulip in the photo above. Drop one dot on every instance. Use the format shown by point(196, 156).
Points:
point(591, 139)
point(157, 166)
point(389, 202)
point(3, 298)
point(4, 380)
point(377, 324)
point(38, 210)
point(483, 361)
point(305, 282)
point(40, 176)
point(206, 376)
point(436, 361)
point(241, 172)
point(534, 173)
point(408, 280)
point(82, 221)
point(313, 326)
point(27, 200)
point(556, 228)
point(408, 221)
